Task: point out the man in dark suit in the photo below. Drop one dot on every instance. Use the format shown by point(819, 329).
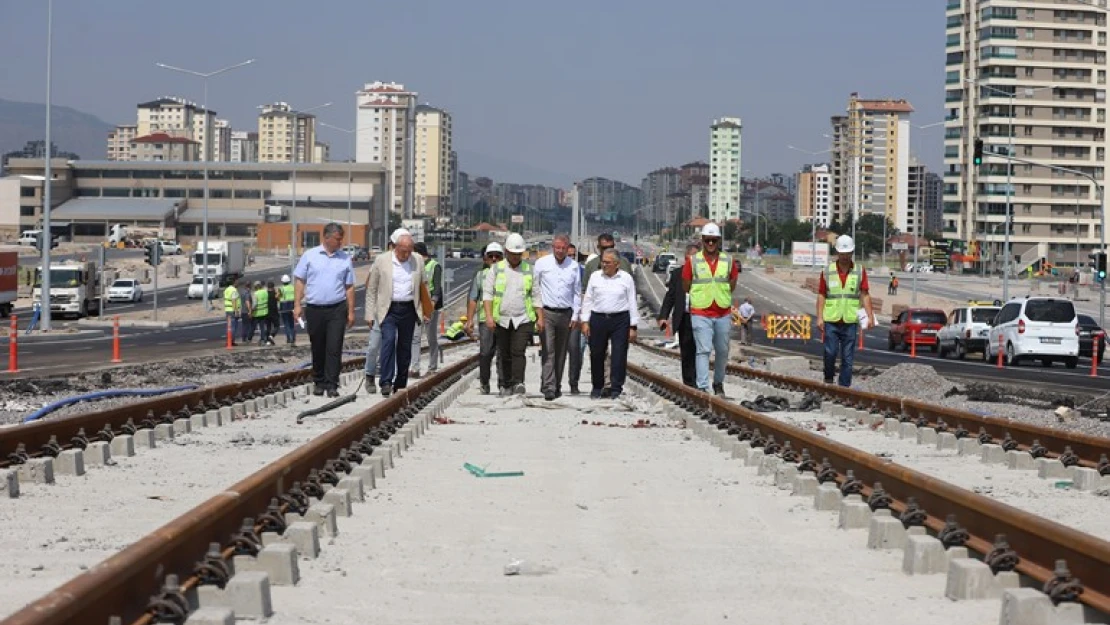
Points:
point(674, 306)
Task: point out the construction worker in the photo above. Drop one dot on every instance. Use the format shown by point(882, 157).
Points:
point(710, 279)
point(892, 288)
point(246, 308)
point(232, 310)
point(285, 296)
point(511, 312)
point(433, 277)
point(261, 308)
point(456, 331)
point(487, 345)
point(746, 314)
point(838, 304)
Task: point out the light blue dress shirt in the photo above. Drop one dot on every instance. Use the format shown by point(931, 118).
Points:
point(326, 276)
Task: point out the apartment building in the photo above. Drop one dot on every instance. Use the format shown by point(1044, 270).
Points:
point(870, 159)
point(221, 140)
point(321, 152)
point(724, 169)
point(655, 190)
point(432, 165)
point(813, 194)
point(1027, 77)
point(176, 117)
point(285, 135)
point(244, 147)
point(383, 110)
point(119, 142)
point(160, 146)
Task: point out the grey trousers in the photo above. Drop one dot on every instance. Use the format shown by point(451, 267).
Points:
point(487, 356)
point(556, 335)
point(576, 350)
point(373, 347)
point(427, 332)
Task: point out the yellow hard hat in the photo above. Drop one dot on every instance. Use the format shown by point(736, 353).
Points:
point(462, 318)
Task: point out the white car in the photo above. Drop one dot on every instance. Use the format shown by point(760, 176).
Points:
point(125, 291)
point(966, 330)
point(169, 247)
point(1035, 328)
point(196, 288)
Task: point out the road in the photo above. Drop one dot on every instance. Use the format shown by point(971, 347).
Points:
point(147, 344)
point(771, 296)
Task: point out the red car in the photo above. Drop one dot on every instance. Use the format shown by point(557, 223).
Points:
point(916, 325)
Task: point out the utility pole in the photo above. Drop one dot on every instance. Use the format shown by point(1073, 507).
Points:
point(47, 179)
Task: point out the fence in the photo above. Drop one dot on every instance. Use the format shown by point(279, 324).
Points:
point(787, 326)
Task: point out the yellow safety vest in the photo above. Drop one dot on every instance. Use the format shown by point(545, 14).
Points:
point(499, 281)
point(455, 330)
point(481, 309)
point(261, 301)
point(842, 302)
point(710, 287)
point(430, 274)
point(287, 294)
point(231, 299)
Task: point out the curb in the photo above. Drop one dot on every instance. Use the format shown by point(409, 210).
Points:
point(68, 336)
point(123, 323)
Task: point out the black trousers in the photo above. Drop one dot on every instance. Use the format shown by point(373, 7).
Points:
point(609, 331)
point(511, 345)
point(326, 327)
point(688, 349)
point(395, 356)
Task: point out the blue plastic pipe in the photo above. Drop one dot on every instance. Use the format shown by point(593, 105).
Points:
point(137, 392)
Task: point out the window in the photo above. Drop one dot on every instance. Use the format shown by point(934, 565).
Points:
point(27, 192)
point(26, 211)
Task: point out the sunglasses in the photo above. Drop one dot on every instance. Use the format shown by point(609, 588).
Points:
point(494, 255)
point(711, 241)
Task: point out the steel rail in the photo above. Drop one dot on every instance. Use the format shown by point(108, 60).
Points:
point(1038, 542)
point(1089, 449)
point(123, 585)
point(35, 438)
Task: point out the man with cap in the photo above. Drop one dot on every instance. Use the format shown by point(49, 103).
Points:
point(511, 312)
point(285, 301)
point(393, 294)
point(558, 291)
point(325, 287)
point(838, 304)
point(709, 277)
point(456, 331)
point(433, 277)
point(374, 342)
point(260, 312)
point(232, 308)
point(487, 344)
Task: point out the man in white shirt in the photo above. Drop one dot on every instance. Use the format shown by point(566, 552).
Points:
point(747, 312)
point(558, 291)
point(507, 296)
point(374, 342)
point(393, 295)
point(609, 319)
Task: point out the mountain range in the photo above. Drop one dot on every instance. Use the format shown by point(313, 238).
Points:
point(71, 130)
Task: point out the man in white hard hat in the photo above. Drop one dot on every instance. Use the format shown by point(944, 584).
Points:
point(285, 309)
point(710, 279)
point(842, 288)
point(511, 312)
point(487, 345)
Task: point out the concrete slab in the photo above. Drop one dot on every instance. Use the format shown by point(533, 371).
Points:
point(9, 484)
point(37, 471)
point(323, 514)
point(365, 473)
point(340, 500)
point(926, 436)
point(740, 449)
point(885, 532)
point(376, 462)
point(277, 560)
point(213, 419)
point(969, 447)
point(1084, 478)
point(247, 595)
point(70, 462)
point(789, 365)
point(1020, 460)
point(145, 438)
point(970, 579)
point(1051, 469)
point(768, 465)
point(785, 475)
point(385, 453)
point(907, 431)
point(163, 432)
point(946, 440)
point(225, 415)
point(353, 485)
point(923, 555)
point(123, 446)
point(98, 454)
point(805, 485)
point(755, 457)
point(891, 426)
point(992, 454)
point(853, 515)
point(211, 616)
point(828, 497)
point(197, 422)
point(182, 426)
point(305, 537)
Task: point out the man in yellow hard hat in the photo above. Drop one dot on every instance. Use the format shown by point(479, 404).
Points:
point(456, 331)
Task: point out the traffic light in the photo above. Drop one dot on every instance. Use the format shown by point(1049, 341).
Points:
point(152, 254)
point(978, 156)
point(1100, 266)
point(53, 241)
point(38, 241)
point(148, 254)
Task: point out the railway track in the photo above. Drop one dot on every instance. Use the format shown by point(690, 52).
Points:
point(1030, 545)
point(50, 437)
point(1070, 448)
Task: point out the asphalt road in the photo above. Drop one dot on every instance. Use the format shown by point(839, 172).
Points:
point(770, 296)
point(146, 344)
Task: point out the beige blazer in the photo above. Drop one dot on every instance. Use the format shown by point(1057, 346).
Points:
point(379, 285)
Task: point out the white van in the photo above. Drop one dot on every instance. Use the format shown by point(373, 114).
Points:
point(29, 237)
point(1035, 328)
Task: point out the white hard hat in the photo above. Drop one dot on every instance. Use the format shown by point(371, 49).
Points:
point(494, 248)
point(514, 244)
point(285, 279)
point(397, 234)
point(710, 230)
point(845, 244)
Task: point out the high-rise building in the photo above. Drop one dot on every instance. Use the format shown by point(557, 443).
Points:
point(601, 199)
point(176, 117)
point(35, 149)
point(285, 135)
point(119, 142)
point(453, 180)
point(1028, 77)
point(655, 191)
point(813, 195)
point(221, 140)
point(915, 220)
point(871, 153)
point(321, 152)
point(724, 169)
point(934, 191)
point(244, 147)
point(381, 122)
point(161, 146)
point(461, 201)
point(433, 162)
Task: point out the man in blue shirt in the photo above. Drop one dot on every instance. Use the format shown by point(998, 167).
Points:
point(324, 281)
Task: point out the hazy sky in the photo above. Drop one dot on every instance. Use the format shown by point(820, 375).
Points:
point(566, 89)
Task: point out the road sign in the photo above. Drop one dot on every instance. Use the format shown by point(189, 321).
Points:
point(518, 219)
point(899, 246)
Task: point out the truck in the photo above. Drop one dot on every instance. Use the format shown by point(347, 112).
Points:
point(130, 236)
point(74, 288)
point(9, 282)
point(223, 260)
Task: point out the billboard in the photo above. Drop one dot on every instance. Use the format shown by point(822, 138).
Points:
point(807, 254)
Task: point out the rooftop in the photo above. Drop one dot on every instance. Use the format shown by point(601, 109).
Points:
point(117, 209)
point(161, 137)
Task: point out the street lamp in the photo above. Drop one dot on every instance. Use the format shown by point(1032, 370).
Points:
point(47, 180)
point(1009, 168)
point(350, 173)
point(208, 127)
point(294, 240)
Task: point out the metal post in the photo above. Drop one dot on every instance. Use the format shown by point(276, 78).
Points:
point(350, 181)
point(293, 212)
point(408, 196)
point(916, 237)
point(155, 269)
point(204, 223)
point(1102, 285)
point(47, 178)
point(1006, 235)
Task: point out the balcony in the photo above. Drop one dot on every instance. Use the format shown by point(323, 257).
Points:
point(952, 4)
